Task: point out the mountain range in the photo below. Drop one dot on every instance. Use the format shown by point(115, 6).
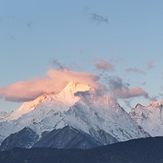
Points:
point(144, 150)
point(78, 117)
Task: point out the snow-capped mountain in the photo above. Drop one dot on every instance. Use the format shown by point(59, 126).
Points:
point(80, 111)
point(150, 117)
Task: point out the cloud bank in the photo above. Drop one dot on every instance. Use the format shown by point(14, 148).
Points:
point(54, 82)
point(122, 90)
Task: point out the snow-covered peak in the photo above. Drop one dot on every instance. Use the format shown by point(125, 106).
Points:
point(154, 104)
point(138, 105)
point(66, 96)
point(25, 108)
point(77, 105)
point(74, 87)
point(150, 117)
point(151, 105)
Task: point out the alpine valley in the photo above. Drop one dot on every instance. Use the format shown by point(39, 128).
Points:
point(78, 117)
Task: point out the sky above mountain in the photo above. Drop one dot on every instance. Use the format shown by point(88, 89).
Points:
point(46, 44)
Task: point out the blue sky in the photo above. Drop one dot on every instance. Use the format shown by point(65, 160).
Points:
point(77, 34)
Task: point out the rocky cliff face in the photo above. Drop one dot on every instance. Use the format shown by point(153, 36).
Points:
point(24, 139)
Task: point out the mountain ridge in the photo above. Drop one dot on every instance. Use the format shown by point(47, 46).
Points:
point(144, 150)
point(79, 106)
point(150, 117)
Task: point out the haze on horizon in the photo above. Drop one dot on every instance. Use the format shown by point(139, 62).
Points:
point(45, 45)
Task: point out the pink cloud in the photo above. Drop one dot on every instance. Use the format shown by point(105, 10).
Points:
point(54, 82)
point(130, 92)
point(103, 65)
point(120, 89)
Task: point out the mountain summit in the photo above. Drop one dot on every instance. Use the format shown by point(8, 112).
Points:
point(66, 94)
point(77, 117)
point(74, 87)
point(150, 117)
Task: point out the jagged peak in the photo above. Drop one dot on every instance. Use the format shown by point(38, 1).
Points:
point(154, 104)
point(138, 105)
point(66, 95)
point(74, 87)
